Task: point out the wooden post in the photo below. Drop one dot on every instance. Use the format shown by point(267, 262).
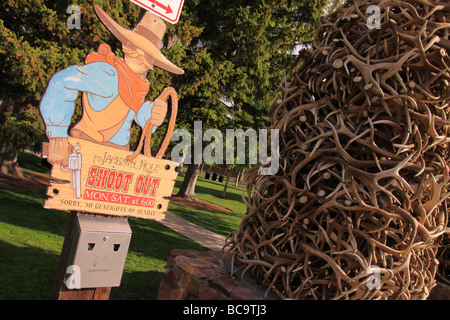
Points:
point(60, 290)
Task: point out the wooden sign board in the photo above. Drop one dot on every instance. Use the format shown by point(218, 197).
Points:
point(169, 10)
point(99, 179)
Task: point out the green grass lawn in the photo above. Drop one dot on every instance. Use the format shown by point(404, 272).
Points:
point(208, 190)
point(31, 239)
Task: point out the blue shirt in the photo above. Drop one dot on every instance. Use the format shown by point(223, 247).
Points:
point(101, 83)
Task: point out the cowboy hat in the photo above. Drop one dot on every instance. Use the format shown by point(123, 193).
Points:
point(147, 35)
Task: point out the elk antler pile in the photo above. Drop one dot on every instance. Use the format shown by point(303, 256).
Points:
point(358, 208)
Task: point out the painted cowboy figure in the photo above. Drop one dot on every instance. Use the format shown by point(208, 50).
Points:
point(113, 90)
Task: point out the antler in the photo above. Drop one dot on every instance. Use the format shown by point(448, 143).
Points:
point(363, 185)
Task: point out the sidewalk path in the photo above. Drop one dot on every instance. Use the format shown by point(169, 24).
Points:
point(205, 237)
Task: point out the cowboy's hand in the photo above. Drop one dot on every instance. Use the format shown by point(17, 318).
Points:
point(58, 151)
point(159, 112)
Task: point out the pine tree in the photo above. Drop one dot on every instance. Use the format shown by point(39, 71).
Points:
point(231, 52)
point(35, 43)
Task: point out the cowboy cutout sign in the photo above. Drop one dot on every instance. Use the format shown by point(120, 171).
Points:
point(93, 169)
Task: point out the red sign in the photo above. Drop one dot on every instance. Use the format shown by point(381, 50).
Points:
point(99, 179)
point(113, 197)
point(169, 10)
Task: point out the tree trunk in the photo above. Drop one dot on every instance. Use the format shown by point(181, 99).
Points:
point(241, 178)
point(224, 192)
point(180, 169)
point(187, 189)
point(236, 183)
point(8, 162)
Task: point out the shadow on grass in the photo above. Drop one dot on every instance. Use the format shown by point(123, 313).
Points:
point(215, 188)
point(25, 209)
point(33, 238)
point(218, 193)
point(27, 273)
point(138, 285)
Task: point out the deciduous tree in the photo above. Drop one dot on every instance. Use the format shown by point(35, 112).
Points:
point(239, 53)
